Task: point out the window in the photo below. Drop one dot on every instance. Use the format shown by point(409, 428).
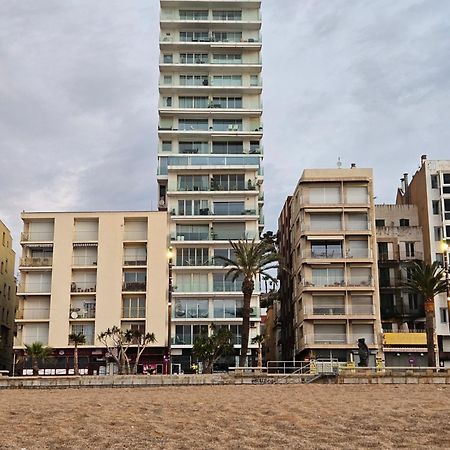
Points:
point(232, 182)
point(194, 80)
point(192, 282)
point(254, 80)
point(228, 148)
point(444, 315)
point(188, 334)
point(357, 221)
point(193, 15)
point(226, 58)
point(357, 194)
point(193, 208)
point(385, 277)
point(331, 276)
point(409, 247)
point(435, 206)
point(223, 284)
point(383, 251)
point(357, 248)
point(133, 307)
point(222, 252)
point(85, 328)
point(193, 102)
point(193, 124)
point(135, 255)
point(192, 257)
point(434, 181)
point(229, 208)
point(446, 177)
point(360, 276)
point(36, 332)
point(192, 232)
point(192, 183)
point(167, 101)
point(191, 309)
point(168, 58)
point(167, 146)
point(227, 102)
point(227, 15)
point(227, 36)
point(194, 36)
point(227, 80)
point(325, 222)
point(328, 305)
point(194, 58)
point(228, 309)
point(326, 249)
point(325, 194)
point(437, 233)
point(380, 223)
point(193, 147)
point(404, 222)
point(413, 301)
point(362, 304)
point(167, 79)
point(134, 281)
point(227, 124)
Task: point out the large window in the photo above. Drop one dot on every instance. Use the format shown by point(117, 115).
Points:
point(326, 249)
point(223, 284)
point(193, 58)
point(192, 256)
point(360, 276)
point(135, 281)
point(193, 102)
point(133, 307)
point(229, 208)
point(228, 148)
point(224, 253)
point(191, 282)
point(84, 328)
point(329, 305)
point(227, 36)
point(192, 183)
point(193, 80)
point(193, 232)
point(227, 15)
point(324, 222)
point(35, 332)
point(357, 194)
point(193, 15)
point(191, 309)
point(188, 334)
point(325, 194)
point(193, 208)
point(357, 248)
point(227, 80)
point(233, 182)
point(194, 147)
point(227, 124)
point(357, 221)
point(226, 58)
point(193, 124)
point(227, 102)
point(331, 276)
point(194, 36)
point(228, 309)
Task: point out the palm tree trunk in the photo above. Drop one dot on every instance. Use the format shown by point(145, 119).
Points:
point(76, 368)
point(429, 325)
point(247, 289)
point(35, 365)
point(259, 355)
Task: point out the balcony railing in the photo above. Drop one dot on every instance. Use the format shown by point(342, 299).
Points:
point(84, 260)
point(87, 312)
point(130, 235)
point(134, 286)
point(33, 314)
point(83, 286)
point(34, 261)
point(205, 236)
point(37, 236)
point(327, 310)
point(34, 288)
point(135, 261)
point(336, 339)
point(338, 283)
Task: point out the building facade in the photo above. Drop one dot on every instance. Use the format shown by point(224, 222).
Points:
point(209, 158)
point(429, 190)
point(335, 298)
point(7, 297)
point(85, 273)
point(400, 244)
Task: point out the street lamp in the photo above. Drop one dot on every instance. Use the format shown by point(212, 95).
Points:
point(169, 313)
point(445, 251)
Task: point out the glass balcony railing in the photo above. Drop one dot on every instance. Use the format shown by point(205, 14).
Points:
point(33, 313)
point(134, 286)
point(31, 288)
point(37, 236)
point(84, 260)
point(36, 261)
point(205, 236)
point(83, 286)
point(135, 261)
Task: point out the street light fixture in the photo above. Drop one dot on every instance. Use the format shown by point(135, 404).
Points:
point(169, 313)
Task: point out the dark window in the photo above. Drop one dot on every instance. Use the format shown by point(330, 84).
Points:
point(385, 279)
point(434, 181)
point(446, 178)
point(435, 205)
point(326, 249)
point(380, 223)
point(412, 301)
point(404, 222)
point(383, 250)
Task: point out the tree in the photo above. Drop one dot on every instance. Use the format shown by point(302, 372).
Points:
point(250, 260)
point(259, 339)
point(208, 349)
point(37, 352)
point(428, 281)
point(77, 339)
point(118, 342)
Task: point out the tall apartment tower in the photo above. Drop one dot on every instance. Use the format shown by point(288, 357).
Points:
point(334, 298)
point(209, 156)
point(429, 190)
point(7, 297)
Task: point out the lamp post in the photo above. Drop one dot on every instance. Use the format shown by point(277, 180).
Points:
point(169, 313)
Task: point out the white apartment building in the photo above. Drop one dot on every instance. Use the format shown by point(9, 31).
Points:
point(334, 265)
point(429, 189)
point(209, 157)
point(86, 272)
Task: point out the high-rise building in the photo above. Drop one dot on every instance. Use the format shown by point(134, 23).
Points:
point(209, 157)
point(85, 273)
point(334, 275)
point(429, 190)
point(7, 297)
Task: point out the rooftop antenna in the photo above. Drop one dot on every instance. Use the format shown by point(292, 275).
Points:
point(339, 162)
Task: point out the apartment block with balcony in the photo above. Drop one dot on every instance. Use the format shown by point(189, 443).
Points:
point(209, 158)
point(7, 298)
point(400, 244)
point(334, 274)
point(87, 272)
point(429, 190)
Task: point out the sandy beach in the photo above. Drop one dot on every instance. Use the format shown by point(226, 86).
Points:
point(227, 417)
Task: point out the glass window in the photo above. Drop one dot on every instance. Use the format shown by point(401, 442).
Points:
point(193, 124)
point(194, 36)
point(325, 221)
point(168, 58)
point(227, 15)
point(167, 146)
point(444, 315)
point(326, 249)
point(193, 15)
point(133, 307)
point(191, 309)
point(192, 256)
point(434, 182)
point(229, 208)
point(325, 194)
point(357, 221)
point(357, 194)
point(331, 276)
point(380, 222)
point(436, 208)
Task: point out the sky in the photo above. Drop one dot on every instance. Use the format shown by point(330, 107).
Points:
point(364, 81)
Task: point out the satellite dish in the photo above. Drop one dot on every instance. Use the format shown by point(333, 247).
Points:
point(74, 315)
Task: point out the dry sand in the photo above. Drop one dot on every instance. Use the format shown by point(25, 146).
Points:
point(228, 417)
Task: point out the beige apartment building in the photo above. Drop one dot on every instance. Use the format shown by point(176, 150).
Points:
point(7, 297)
point(334, 264)
point(86, 272)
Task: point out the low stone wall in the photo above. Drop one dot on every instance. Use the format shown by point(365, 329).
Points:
point(427, 376)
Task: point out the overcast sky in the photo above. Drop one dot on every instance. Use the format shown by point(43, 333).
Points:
point(364, 80)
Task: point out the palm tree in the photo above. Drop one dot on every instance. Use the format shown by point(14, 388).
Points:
point(428, 281)
point(259, 340)
point(37, 352)
point(77, 339)
point(250, 260)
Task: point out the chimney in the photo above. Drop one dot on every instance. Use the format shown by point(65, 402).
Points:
point(423, 158)
point(406, 190)
point(353, 165)
point(402, 184)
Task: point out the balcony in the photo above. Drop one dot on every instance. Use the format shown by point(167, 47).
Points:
point(33, 314)
point(336, 339)
point(327, 283)
point(136, 261)
point(82, 286)
point(84, 261)
point(135, 235)
point(34, 288)
point(85, 236)
point(85, 312)
point(36, 261)
point(134, 286)
point(326, 310)
point(206, 236)
point(37, 236)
